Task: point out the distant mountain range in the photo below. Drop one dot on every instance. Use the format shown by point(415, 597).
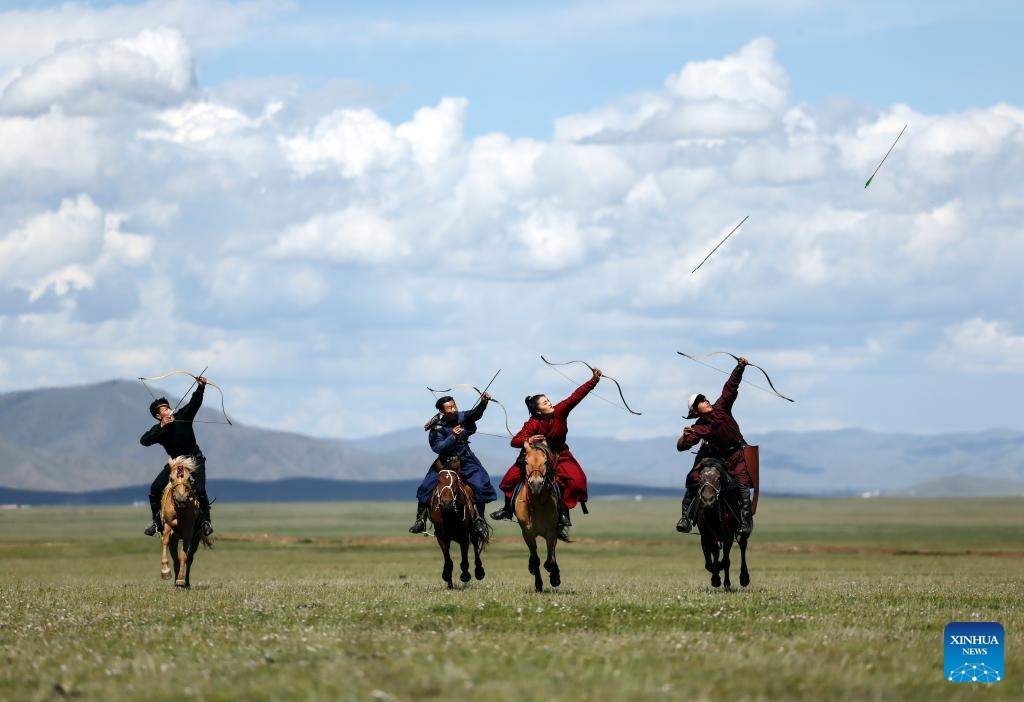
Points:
point(84, 439)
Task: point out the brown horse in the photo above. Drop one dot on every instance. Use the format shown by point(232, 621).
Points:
point(718, 522)
point(453, 512)
point(179, 508)
point(536, 508)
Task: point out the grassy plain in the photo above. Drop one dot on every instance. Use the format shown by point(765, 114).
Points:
point(334, 601)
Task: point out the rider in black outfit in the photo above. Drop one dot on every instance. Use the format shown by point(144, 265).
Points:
point(174, 433)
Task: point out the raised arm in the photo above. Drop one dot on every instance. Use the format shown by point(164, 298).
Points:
point(477, 412)
point(732, 387)
point(188, 412)
point(566, 406)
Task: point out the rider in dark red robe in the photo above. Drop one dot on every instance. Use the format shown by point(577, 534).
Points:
point(720, 437)
point(550, 422)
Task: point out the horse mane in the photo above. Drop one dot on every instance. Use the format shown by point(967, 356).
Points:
point(186, 462)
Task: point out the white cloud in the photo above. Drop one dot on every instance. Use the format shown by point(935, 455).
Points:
point(751, 75)
point(554, 239)
point(740, 95)
point(27, 36)
point(204, 120)
point(51, 150)
point(354, 235)
point(979, 345)
point(153, 67)
point(66, 250)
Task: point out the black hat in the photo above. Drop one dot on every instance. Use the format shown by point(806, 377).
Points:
point(157, 404)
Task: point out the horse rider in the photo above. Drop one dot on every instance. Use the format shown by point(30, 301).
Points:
point(720, 438)
point(449, 436)
point(174, 433)
point(550, 422)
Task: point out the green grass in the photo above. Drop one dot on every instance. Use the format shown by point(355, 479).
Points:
point(332, 601)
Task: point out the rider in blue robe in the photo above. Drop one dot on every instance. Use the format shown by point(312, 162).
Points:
point(449, 438)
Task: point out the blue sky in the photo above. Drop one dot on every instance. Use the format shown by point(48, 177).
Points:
point(335, 205)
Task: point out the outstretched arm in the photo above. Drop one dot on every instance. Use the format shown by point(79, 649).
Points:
point(566, 406)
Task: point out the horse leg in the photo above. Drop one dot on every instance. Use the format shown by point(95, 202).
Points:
point(744, 573)
point(531, 543)
point(551, 565)
point(478, 571)
point(181, 558)
point(726, 548)
point(449, 566)
point(711, 559)
point(165, 557)
point(464, 564)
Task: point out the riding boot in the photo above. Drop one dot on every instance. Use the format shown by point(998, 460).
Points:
point(154, 506)
point(685, 524)
point(563, 516)
point(746, 518)
point(204, 511)
point(420, 525)
point(505, 512)
point(480, 523)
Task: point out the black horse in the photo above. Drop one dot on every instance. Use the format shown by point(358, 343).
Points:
point(718, 521)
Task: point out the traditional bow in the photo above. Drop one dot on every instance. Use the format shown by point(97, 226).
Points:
point(195, 378)
point(752, 365)
point(478, 391)
point(624, 403)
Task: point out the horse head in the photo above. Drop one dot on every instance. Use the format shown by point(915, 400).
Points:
point(710, 476)
point(182, 468)
point(538, 465)
point(449, 476)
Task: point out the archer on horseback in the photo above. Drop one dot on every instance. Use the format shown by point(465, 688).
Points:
point(550, 422)
point(449, 436)
point(719, 435)
point(174, 432)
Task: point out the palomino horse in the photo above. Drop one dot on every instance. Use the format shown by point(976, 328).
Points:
point(179, 508)
point(536, 508)
point(718, 522)
point(453, 512)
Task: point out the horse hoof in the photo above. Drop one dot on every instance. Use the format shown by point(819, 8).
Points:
point(165, 575)
point(465, 577)
point(556, 580)
point(181, 583)
point(539, 587)
point(744, 580)
point(480, 574)
point(450, 586)
point(716, 581)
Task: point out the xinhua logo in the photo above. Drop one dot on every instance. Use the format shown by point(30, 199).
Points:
point(974, 652)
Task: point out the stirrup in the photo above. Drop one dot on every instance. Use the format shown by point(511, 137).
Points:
point(207, 528)
point(152, 530)
point(419, 526)
point(684, 525)
point(500, 514)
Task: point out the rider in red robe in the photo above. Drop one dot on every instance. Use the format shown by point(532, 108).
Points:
point(720, 437)
point(550, 422)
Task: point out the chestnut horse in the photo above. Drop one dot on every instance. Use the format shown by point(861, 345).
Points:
point(536, 509)
point(718, 521)
point(453, 512)
point(179, 508)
